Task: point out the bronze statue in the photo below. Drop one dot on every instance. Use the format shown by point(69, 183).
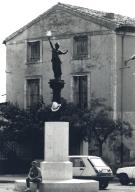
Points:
point(56, 84)
point(56, 62)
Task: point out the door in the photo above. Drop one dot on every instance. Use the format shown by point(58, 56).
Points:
point(78, 166)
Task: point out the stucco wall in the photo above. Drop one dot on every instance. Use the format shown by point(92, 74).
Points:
point(63, 26)
point(128, 83)
point(15, 73)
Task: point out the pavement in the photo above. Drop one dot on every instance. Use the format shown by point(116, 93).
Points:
point(11, 178)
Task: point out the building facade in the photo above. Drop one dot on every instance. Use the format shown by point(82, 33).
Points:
point(98, 45)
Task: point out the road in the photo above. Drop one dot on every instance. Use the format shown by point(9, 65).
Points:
point(6, 187)
point(112, 187)
point(117, 187)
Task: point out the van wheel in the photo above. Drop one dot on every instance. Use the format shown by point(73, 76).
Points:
point(103, 184)
point(123, 178)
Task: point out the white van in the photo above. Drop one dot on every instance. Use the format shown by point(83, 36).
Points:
point(91, 167)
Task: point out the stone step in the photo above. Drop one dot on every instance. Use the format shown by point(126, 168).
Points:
point(73, 185)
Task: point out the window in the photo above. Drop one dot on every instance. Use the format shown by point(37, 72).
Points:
point(33, 51)
point(80, 91)
point(32, 92)
point(97, 162)
point(80, 47)
point(77, 162)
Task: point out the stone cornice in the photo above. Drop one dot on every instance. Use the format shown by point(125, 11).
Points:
point(65, 36)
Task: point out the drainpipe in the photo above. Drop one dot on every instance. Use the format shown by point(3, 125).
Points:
point(122, 99)
point(114, 80)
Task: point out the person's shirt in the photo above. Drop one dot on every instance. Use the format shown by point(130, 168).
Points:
point(35, 172)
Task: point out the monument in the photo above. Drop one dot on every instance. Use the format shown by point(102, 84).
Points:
point(56, 168)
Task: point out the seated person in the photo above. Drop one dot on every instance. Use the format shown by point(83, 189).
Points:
point(34, 176)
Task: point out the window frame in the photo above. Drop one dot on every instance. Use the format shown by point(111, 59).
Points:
point(25, 89)
point(79, 42)
point(77, 162)
point(75, 99)
point(28, 52)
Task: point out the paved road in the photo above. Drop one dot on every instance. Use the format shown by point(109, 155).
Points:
point(113, 187)
point(6, 187)
point(117, 187)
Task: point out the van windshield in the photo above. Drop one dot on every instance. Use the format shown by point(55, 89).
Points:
point(97, 162)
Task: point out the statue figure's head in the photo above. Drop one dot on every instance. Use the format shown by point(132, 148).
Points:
point(57, 45)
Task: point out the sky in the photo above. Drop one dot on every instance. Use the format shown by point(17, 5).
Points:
point(14, 14)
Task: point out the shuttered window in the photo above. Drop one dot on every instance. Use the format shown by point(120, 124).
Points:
point(33, 51)
point(80, 91)
point(80, 47)
point(32, 92)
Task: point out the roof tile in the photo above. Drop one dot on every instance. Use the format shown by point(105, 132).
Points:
point(118, 19)
point(114, 20)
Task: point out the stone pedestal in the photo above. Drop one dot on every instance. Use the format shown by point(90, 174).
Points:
point(56, 165)
point(73, 185)
point(56, 86)
point(56, 169)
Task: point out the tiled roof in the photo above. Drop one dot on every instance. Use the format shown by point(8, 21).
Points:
point(111, 20)
point(117, 18)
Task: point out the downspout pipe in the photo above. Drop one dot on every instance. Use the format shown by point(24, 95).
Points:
point(122, 99)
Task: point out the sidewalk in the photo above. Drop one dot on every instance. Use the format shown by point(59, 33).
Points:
point(11, 178)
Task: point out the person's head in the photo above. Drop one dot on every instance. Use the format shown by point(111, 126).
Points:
point(34, 163)
point(57, 45)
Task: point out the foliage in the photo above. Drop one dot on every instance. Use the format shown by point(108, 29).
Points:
point(23, 126)
point(77, 124)
point(96, 123)
point(122, 128)
point(105, 127)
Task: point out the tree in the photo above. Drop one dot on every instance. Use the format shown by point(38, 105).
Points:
point(77, 125)
point(105, 127)
point(123, 129)
point(24, 127)
point(95, 123)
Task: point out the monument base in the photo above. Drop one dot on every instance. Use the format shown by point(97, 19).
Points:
point(73, 185)
point(56, 170)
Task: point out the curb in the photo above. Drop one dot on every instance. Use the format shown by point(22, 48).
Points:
point(6, 181)
point(11, 178)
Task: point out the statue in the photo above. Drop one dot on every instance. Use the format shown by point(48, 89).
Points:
point(56, 84)
point(56, 62)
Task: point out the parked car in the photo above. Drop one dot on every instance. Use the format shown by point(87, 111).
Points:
point(126, 175)
point(91, 167)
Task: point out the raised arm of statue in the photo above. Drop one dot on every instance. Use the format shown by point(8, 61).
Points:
point(50, 43)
